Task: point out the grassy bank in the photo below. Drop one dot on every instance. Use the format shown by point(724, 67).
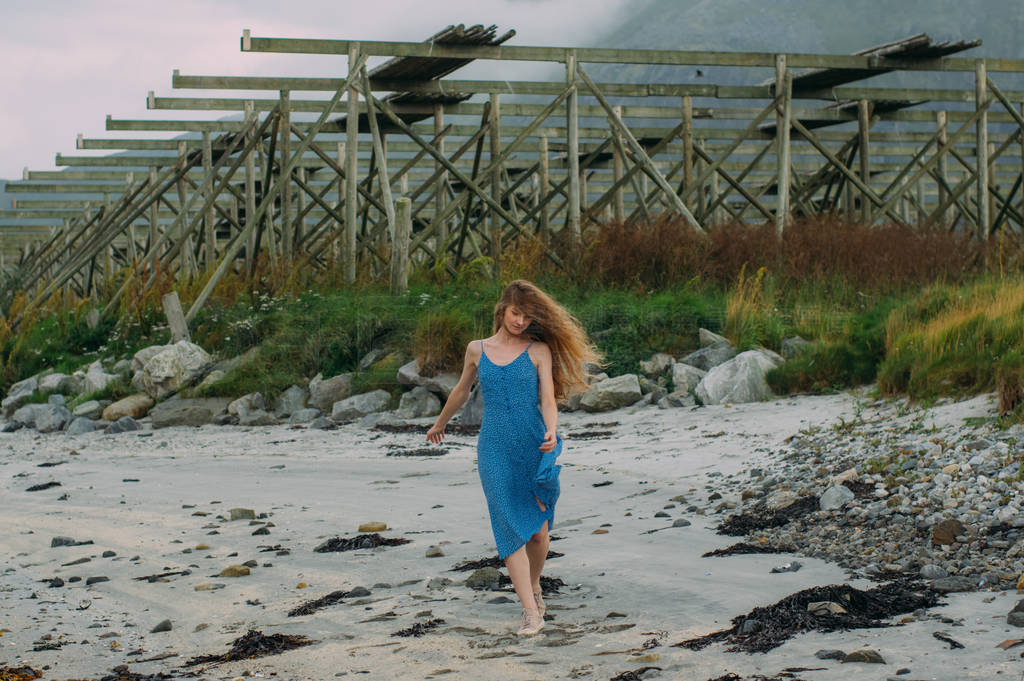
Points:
point(924, 313)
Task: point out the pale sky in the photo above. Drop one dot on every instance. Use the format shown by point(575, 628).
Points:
point(66, 64)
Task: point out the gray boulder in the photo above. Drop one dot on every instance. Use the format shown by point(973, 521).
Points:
point(357, 406)
point(60, 383)
point(142, 357)
point(791, 347)
point(323, 393)
point(125, 424)
point(835, 498)
point(96, 378)
point(258, 417)
point(247, 403)
point(122, 367)
point(442, 384)
point(292, 400)
point(88, 410)
point(230, 364)
point(172, 368)
point(709, 339)
point(52, 417)
point(707, 358)
point(135, 406)
point(612, 393)
point(371, 358)
point(417, 403)
point(26, 416)
point(686, 377)
point(188, 412)
point(81, 425)
point(303, 416)
point(472, 412)
point(677, 399)
point(18, 395)
point(741, 379)
point(210, 379)
point(658, 365)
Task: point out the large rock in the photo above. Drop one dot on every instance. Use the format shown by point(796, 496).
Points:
point(791, 347)
point(472, 413)
point(709, 339)
point(658, 365)
point(142, 357)
point(291, 401)
point(96, 378)
point(125, 424)
point(173, 368)
point(707, 358)
point(18, 395)
point(81, 425)
point(26, 416)
point(89, 410)
point(247, 403)
point(323, 393)
point(612, 393)
point(136, 406)
point(357, 406)
point(686, 377)
point(677, 399)
point(190, 412)
point(835, 498)
point(303, 416)
point(442, 384)
point(417, 403)
point(741, 379)
point(52, 417)
point(60, 383)
point(210, 379)
point(947, 531)
point(1015, 618)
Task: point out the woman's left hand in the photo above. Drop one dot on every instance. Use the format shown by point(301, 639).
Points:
point(550, 440)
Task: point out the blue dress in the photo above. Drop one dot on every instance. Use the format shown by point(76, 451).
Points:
point(512, 469)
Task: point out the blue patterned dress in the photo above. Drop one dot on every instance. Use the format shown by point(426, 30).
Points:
point(512, 468)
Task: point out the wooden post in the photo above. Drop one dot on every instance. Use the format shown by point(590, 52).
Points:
point(981, 148)
point(175, 317)
point(209, 235)
point(687, 135)
point(494, 223)
point(400, 246)
point(154, 214)
point(265, 164)
point(863, 133)
point(702, 192)
point(989, 157)
point(943, 166)
point(573, 150)
point(338, 242)
point(544, 224)
point(186, 257)
point(287, 238)
point(250, 190)
point(619, 213)
point(1020, 133)
point(441, 195)
point(351, 168)
point(300, 207)
point(783, 84)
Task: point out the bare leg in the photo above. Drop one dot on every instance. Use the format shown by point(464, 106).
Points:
point(518, 565)
point(537, 551)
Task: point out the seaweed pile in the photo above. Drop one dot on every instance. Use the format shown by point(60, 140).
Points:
point(768, 627)
point(451, 429)
point(744, 548)
point(419, 629)
point(362, 541)
point(762, 518)
point(309, 607)
point(548, 585)
point(254, 644)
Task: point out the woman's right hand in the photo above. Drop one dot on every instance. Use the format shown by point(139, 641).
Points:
point(435, 434)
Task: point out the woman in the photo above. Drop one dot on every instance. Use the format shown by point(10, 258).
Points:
point(536, 353)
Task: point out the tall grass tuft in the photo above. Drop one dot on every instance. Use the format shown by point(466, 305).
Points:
point(751, 315)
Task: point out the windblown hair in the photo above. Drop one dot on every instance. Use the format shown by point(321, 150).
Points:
point(554, 325)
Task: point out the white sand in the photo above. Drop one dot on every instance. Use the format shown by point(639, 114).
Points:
point(333, 481)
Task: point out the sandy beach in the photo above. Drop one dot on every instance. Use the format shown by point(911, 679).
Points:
point(156, 502)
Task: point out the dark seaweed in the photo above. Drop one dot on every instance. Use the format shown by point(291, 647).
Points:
point(40, 487)
point(763, 518)
point(419, 629)
point(309, 607)
point(744, 548)
point(254, 644)
point(493, 562)
point(362, 541)
point(778, 622)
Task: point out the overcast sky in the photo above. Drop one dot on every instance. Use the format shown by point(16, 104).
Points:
point(66, 64)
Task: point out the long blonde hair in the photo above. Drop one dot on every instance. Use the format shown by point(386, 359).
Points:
point(554, 325)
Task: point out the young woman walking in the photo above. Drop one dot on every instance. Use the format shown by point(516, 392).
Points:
point(535, 355)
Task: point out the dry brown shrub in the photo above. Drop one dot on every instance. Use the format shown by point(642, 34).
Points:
point(642, 253)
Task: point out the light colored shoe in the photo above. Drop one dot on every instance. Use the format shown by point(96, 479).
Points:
point(533, 622)
point(541, 608)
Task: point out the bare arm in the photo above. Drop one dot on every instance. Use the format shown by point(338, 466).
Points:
point(459, 394)
point(546, 388)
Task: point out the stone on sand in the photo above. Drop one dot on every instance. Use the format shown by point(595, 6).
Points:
point(135, 406)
